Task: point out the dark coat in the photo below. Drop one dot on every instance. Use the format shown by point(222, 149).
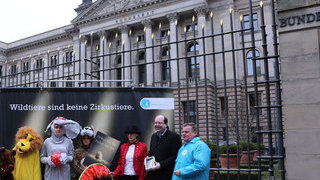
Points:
point(165, 150)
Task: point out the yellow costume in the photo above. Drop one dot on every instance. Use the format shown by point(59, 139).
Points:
point(27, 158)
point(27, 167)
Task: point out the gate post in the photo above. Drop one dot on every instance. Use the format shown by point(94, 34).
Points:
point(299, 37)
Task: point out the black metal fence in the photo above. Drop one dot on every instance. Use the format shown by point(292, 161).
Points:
point(221, 81)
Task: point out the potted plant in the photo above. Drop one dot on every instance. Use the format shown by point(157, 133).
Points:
point(245, 154)
point(232, 156)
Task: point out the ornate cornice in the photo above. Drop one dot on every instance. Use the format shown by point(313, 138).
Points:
point(38, 43)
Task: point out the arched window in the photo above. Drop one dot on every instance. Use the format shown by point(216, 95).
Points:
point(193, 62)
point(250, 63)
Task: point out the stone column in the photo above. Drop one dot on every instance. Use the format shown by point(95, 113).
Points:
point(32, 67)
point(60, 68)
point(103, 59)
point(300, 73)
point(173, 19)
point(77, 56)
point(4, 73)
point(85, 65)
point(19, 71)
point(46, 62)
point(126, 57)
point(201, 14)
point(148, 35)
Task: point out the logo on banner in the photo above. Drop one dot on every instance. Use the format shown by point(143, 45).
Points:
point(157, 103)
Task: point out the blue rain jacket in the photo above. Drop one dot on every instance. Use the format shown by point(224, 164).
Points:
point(193, 161)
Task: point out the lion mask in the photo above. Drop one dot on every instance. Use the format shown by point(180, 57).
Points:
point(27, 140)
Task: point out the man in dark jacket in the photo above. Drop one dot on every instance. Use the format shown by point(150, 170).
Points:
point(164, 147)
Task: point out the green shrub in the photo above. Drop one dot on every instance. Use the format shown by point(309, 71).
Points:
point(244, 145)
point(232, 149)
point(213, 147)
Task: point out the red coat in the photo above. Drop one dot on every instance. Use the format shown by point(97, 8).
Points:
point(140, 152)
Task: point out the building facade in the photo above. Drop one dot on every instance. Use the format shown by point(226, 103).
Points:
point(219, 57)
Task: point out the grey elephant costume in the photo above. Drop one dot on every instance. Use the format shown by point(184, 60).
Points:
point(63, 145)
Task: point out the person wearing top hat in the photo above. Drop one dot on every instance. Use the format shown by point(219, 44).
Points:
point(131, 159)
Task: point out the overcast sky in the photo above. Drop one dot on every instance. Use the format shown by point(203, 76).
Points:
point(23, 18)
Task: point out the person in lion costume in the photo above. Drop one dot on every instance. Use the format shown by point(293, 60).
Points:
point(27, 158)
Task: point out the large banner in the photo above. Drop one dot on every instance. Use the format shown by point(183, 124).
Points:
point(108, 110)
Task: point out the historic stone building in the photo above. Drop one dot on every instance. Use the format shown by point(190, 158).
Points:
point(191, 45)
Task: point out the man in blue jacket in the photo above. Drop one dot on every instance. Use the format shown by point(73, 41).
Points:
point(193, 161)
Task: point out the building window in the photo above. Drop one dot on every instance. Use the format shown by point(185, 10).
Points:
point(97, 47)
point(118, 42)
point(164, 33)
point(69, 84)
point(118, 62)
point(25, 66)
point(165, 64)
point(13, 70)
point(53, 60)
point(165, 70)
point(223, 105)
point(140, 38)
point(39, 64)
point(165, 52)
point(250, 63)
point(193, 62)
point(53, 84)
point(142, 68)
point(142, 74)
point(141, 56)
point(69, 57)
point(189, 27)
point(190, 112)
point(1, 70)
point(224, 134)
point(246, 22)
point(251, 99)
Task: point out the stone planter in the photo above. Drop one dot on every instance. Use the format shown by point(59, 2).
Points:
point(232, 160)
point(213, 164)
point(256, 154)
point(244, 157)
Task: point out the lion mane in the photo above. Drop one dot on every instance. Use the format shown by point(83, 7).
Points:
point(35, 144)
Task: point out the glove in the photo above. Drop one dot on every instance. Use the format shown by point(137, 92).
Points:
point(63, 158)
point(50, 163)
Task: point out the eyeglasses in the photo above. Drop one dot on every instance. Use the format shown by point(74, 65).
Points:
point(158, 123)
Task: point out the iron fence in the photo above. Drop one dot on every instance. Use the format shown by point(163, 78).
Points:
point(219, 79)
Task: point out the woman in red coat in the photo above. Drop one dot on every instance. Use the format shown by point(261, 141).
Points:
point(131, 160)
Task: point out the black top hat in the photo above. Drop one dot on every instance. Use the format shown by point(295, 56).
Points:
point(132, 129)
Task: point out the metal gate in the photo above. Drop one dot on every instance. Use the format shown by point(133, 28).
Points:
point(225, 75)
